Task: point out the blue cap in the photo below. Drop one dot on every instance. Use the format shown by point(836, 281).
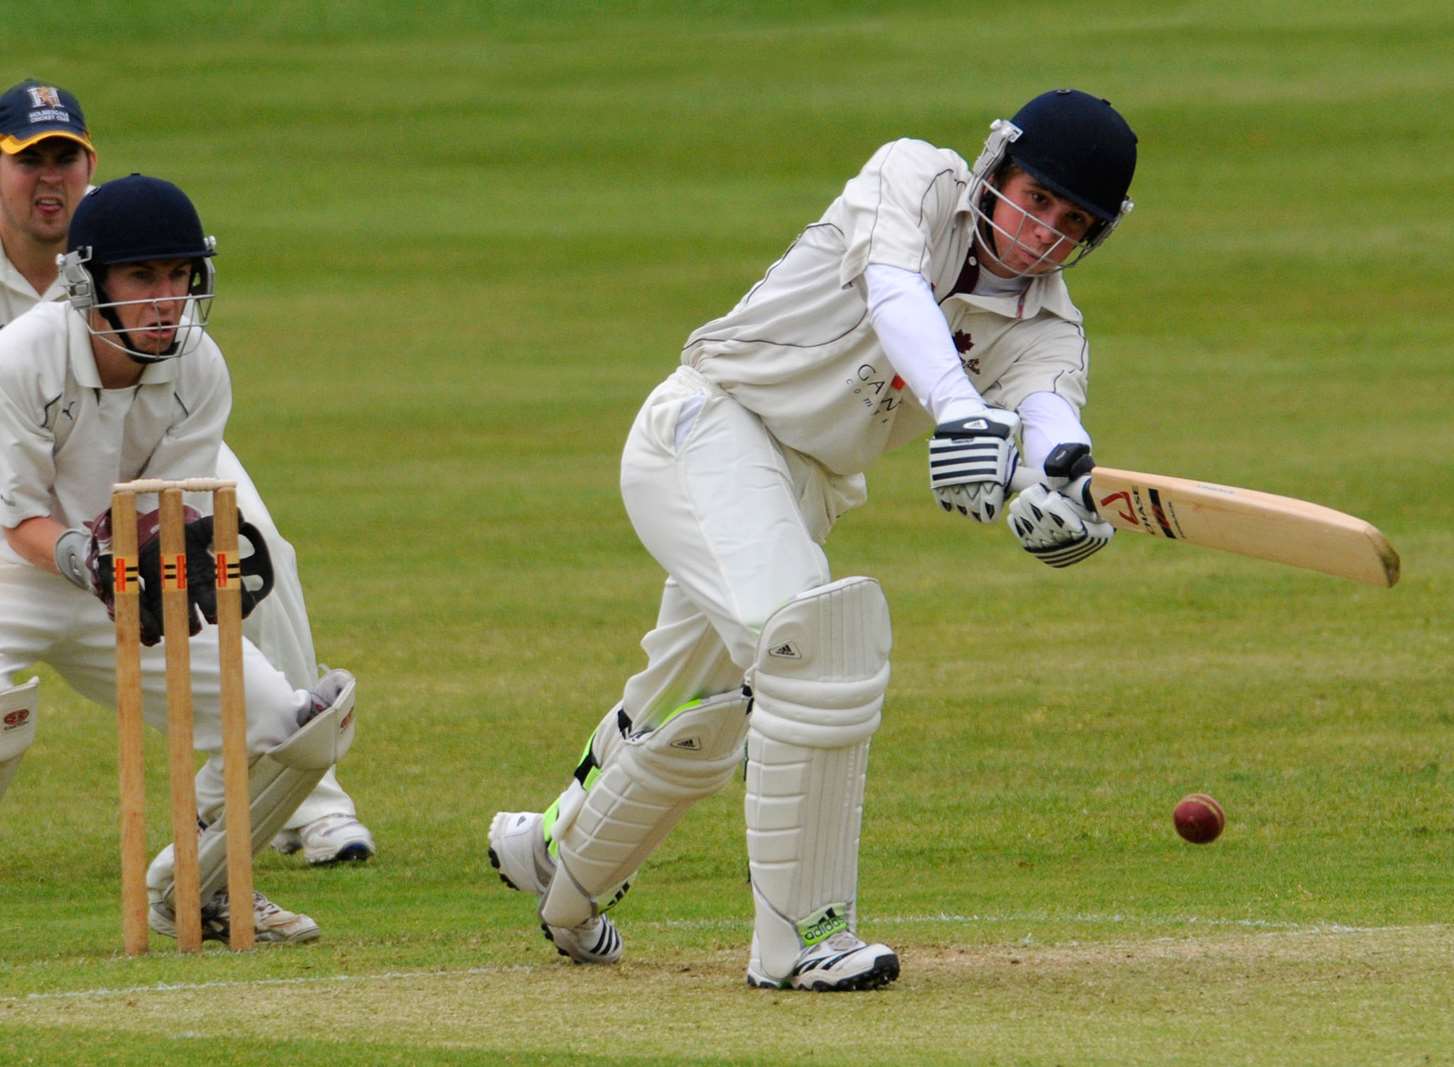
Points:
point(34, 110)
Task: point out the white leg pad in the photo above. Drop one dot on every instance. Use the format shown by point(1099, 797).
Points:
point(818, 687)
point(278, 781)
point(647, 782)
point(19, 706)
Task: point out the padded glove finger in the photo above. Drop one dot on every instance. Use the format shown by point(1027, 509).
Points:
point(1056, 529)
point(255, 566)
point(971, 462)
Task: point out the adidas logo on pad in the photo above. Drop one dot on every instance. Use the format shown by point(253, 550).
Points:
point(786, 650)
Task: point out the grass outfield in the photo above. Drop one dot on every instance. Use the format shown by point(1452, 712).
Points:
point(457, 250)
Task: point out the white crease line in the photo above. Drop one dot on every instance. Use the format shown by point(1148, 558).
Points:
point(951, 918)
point(193, 987)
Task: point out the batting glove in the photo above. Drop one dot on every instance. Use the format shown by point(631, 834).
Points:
point(971, 462)
point(1056, 529)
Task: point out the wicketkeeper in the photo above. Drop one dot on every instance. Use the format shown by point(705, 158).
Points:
point(928, 298)
point(47, 160)
point(121, 381)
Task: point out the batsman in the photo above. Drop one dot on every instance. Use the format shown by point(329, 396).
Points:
point(928, 298)
point(117, 382)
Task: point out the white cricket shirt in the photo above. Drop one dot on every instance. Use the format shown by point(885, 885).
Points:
point(17, 295)
point(800, 352)
point(66, 440)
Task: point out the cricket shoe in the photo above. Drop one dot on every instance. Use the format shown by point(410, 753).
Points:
point(519, 853)
point(841, 963)
point(271, 924)
point(335, 838)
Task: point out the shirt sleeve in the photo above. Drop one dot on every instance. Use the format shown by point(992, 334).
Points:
point(28, 471)
point(190, 447)
point(893, 206)
point(1048, 420)
point(915, 337)
point(1057, 361)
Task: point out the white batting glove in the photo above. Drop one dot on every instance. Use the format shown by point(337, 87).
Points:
point(971, 462)
point(1056, 529)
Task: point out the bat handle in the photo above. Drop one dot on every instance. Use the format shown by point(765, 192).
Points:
point(1026, 477)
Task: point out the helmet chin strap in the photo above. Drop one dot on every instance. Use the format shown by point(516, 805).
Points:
point(986, 237)
point(147, 361)
point(127, 346)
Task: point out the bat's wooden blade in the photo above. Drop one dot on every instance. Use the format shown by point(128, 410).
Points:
point(1245, 521)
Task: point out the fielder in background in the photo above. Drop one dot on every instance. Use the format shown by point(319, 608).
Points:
point(117, 382)
point(928, 298)
point(46, 164)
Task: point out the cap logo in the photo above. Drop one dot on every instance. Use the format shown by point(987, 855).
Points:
point(44, 96)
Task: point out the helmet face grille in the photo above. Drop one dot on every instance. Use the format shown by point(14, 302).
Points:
point(138, 219)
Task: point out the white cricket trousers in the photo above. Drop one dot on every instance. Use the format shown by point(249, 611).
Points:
point(44, 618)
point(279, 627)
point(736, 521)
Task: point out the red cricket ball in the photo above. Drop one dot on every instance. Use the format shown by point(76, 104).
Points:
point(1199, 818)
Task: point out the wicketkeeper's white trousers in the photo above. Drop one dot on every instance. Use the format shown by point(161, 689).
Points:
point(279, 627)
point(735, 519)
point(277, 633)
point(44, 618)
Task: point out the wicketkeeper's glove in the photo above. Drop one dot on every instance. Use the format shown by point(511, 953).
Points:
point(257, 569)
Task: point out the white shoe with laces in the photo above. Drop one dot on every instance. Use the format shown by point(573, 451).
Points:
point(336, 838)
point(271, 924)
point(842, 963)
point(519, 853)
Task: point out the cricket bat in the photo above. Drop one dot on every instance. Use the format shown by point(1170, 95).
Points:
point(1250, 523)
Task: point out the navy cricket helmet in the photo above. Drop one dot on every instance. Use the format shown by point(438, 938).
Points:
point(134, 220)
point(1074, 144)
point(1079, 146)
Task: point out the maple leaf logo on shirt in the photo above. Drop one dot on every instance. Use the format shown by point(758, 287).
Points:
point(964, 342)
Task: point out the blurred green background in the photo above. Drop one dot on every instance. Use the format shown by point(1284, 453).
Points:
point(459, 243)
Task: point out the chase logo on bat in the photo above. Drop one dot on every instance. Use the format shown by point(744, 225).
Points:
point(1122, 500)
point(1165, 516)
point(1248, 522)
point(1145, 509)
